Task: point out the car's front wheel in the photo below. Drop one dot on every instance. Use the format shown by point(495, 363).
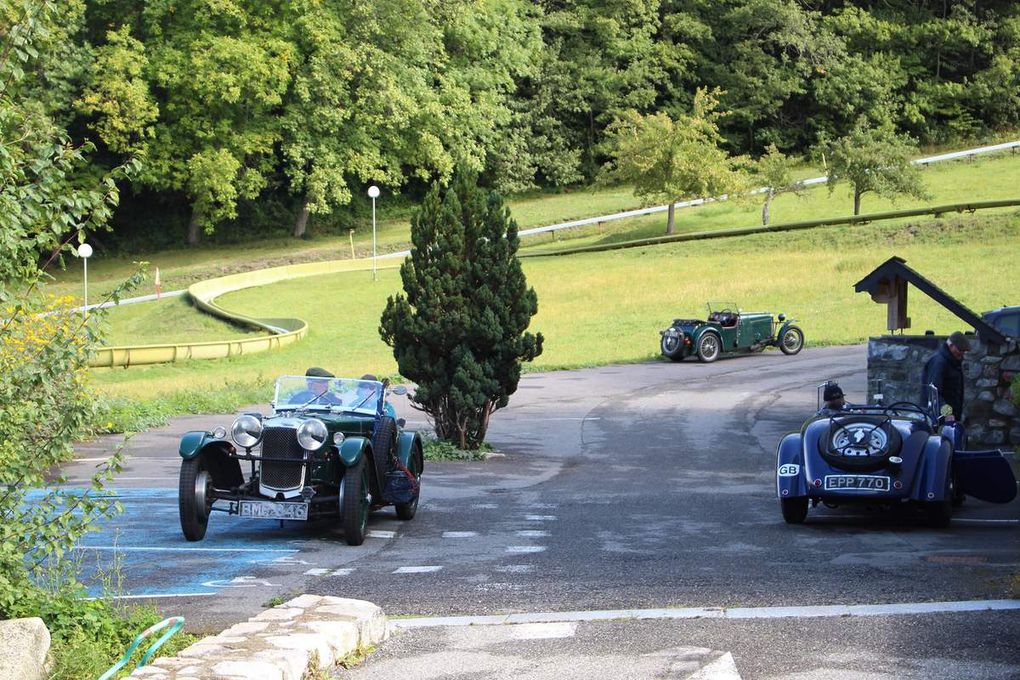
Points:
point(193, 498)
point(406, 511)
point(792, 341)
point(354, 503)
point(794, 509)
point(709, 347)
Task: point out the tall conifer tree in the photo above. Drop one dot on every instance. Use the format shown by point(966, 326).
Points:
point(460, 330)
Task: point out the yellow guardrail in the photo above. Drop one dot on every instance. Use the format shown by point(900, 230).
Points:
point(204, 294)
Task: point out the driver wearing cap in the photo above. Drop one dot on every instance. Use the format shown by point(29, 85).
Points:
point(834, 399)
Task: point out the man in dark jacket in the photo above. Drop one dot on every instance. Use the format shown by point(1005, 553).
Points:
point(944, 370)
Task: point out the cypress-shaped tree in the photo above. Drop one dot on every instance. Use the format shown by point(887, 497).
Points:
point(460, 329)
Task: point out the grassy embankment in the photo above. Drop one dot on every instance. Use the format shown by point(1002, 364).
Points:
point(606, 307)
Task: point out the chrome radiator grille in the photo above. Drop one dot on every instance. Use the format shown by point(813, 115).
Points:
point(280, 443)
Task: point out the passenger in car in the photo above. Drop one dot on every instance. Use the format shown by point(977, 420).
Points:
point(835, 400)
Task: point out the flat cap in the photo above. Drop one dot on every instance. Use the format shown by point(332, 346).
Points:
point(960, 341)
point(316, 372)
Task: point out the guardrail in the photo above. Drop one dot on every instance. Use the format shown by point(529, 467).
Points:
point(935, 211)
point(204, 293)
point(966, 153)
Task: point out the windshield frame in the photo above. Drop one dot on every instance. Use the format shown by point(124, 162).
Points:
point(350, 395)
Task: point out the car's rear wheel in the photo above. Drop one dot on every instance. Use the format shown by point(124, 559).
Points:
point(672, 346)
point(194, 498)
point(406, 511)
point(354, 503)
point(792, 340)
point(794, 509)
point(709, 347)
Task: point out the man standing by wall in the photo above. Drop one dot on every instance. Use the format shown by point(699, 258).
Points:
point(944, 370)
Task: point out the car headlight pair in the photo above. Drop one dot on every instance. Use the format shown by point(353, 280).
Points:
point(247, 432)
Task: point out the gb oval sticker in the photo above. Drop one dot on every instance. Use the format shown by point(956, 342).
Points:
point(789, 470)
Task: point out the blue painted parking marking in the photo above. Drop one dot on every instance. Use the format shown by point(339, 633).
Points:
point(144, 551)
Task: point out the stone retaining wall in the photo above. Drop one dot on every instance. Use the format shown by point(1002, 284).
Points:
point(895, 364)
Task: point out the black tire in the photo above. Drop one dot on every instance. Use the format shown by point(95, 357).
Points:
point(384, 449)
point(709, 347)
point(791, 341)
point(193, 498)
point(672, 346)
point(794, 509)
point(939, 513)
point(354, 503)
point(406, 511)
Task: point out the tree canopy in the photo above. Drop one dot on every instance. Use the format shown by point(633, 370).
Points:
point(301, 105)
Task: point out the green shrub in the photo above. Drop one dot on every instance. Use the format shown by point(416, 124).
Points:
point(436, 450)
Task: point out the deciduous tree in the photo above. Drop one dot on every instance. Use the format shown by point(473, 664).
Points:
point(774, 168)
point(875, 160)
point(459, 330)
point(672, 160)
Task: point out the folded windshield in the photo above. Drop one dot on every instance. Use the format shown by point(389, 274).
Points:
point(346, 394)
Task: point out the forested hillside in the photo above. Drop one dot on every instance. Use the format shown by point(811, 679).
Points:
point(250, 116)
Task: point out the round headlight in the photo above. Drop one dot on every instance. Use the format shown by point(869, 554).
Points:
point(246, 431)
point(312, 434)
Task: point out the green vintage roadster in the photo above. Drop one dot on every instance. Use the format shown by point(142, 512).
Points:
point(727, 329)
point(331, 449)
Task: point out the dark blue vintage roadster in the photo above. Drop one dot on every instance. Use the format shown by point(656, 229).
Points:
point(891, 455)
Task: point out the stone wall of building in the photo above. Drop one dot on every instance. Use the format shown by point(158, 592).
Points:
point(895, 363)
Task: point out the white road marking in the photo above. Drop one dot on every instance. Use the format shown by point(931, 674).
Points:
point(516, 569)
point(142, 548)
point(484, 506)
point(532, 533)
point(822, 611)
point(92, 460)
point(459, 534)
point(525, 549)
point(416, 570)
point(147, 597)
point(375, 533)
point(287, 559)
point(316, 572)
point(543, 631)
point(540, 518)
point(239, 582)
point(346, 571)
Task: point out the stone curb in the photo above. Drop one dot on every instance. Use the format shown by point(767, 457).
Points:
point(310, 632)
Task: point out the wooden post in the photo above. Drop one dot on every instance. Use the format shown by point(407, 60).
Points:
point(350, 235)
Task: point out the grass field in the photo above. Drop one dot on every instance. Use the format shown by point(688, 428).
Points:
point(607, 307)
point(988, 177)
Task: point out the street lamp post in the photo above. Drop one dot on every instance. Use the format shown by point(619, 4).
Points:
point(85, 252)
point(373, 193)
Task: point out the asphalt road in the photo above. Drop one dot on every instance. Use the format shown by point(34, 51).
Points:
point(646, 486)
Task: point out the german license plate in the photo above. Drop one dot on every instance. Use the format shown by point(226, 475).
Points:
point(869, 482)
point(271, 510)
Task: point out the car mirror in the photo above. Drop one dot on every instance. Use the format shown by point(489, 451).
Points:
point(399, 390)
point(401, 422)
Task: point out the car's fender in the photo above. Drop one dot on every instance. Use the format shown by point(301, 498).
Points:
point(790, 480)
point(406, 445)
point(930, 482)
point(698, 332)
point(782, 329)
point(352, 449)
point(224, 468)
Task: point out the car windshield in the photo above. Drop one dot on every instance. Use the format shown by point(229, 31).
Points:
point(338, 394)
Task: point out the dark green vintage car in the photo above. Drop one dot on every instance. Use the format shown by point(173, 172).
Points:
point(727, 329)
point(331, 449)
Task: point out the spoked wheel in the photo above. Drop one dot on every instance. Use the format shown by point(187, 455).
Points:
point(709, 347)
point(672, 346)
point(194, 498)
point(354, 503)
point(406, 511)
point(792, 341)
point(794, 509)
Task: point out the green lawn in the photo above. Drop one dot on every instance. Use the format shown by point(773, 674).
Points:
point(986, 178)
point(607, 307)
